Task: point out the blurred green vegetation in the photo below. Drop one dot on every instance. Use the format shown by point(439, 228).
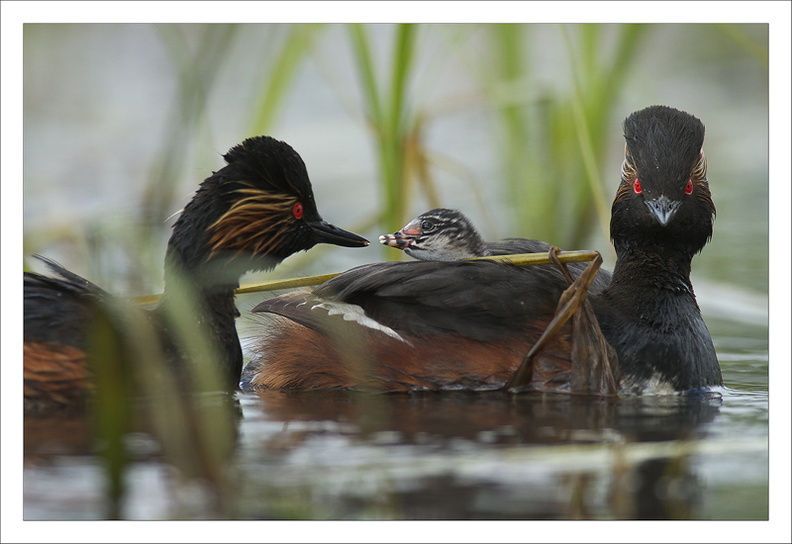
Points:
point(554, 143)
point(552, 139)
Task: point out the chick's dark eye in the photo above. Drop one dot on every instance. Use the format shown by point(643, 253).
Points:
point(298, 210)
point(427, 226)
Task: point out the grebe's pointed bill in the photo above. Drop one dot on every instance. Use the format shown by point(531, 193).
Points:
point(663, 209)
point(327, 233)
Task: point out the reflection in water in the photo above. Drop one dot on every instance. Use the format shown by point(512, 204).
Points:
point(513, 419)
point(478, 456)
point(337, 455)
point(193, 436)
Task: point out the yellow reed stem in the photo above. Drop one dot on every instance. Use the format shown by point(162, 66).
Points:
point(521, 259)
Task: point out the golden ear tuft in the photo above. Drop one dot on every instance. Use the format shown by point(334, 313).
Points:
point(254, 224)
point(699, 172)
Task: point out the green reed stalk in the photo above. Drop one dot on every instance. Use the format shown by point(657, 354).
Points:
point(387, 114)
point(747, 43)
point(125, 353)
point(526, 139)
point(597, 76)
point(554, 141)
point(113, 414)
point(197, 72)
point(280, 76)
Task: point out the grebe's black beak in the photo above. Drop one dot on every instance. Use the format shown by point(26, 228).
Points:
point(326, 233)
point(663, 209)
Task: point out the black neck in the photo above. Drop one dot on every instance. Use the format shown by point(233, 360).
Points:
point(649, 315)
point(209, 281)
point(642, 271)
point(206, 311)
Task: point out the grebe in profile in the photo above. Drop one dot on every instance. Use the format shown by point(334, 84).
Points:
point(250, 215)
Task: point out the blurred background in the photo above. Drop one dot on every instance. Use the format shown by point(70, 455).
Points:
point(519, 126)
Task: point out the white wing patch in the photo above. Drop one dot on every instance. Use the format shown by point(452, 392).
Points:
point(353, 312)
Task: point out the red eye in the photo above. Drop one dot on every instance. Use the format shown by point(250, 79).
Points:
point(637, 186)
point(689, 187)
point(297, 210)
